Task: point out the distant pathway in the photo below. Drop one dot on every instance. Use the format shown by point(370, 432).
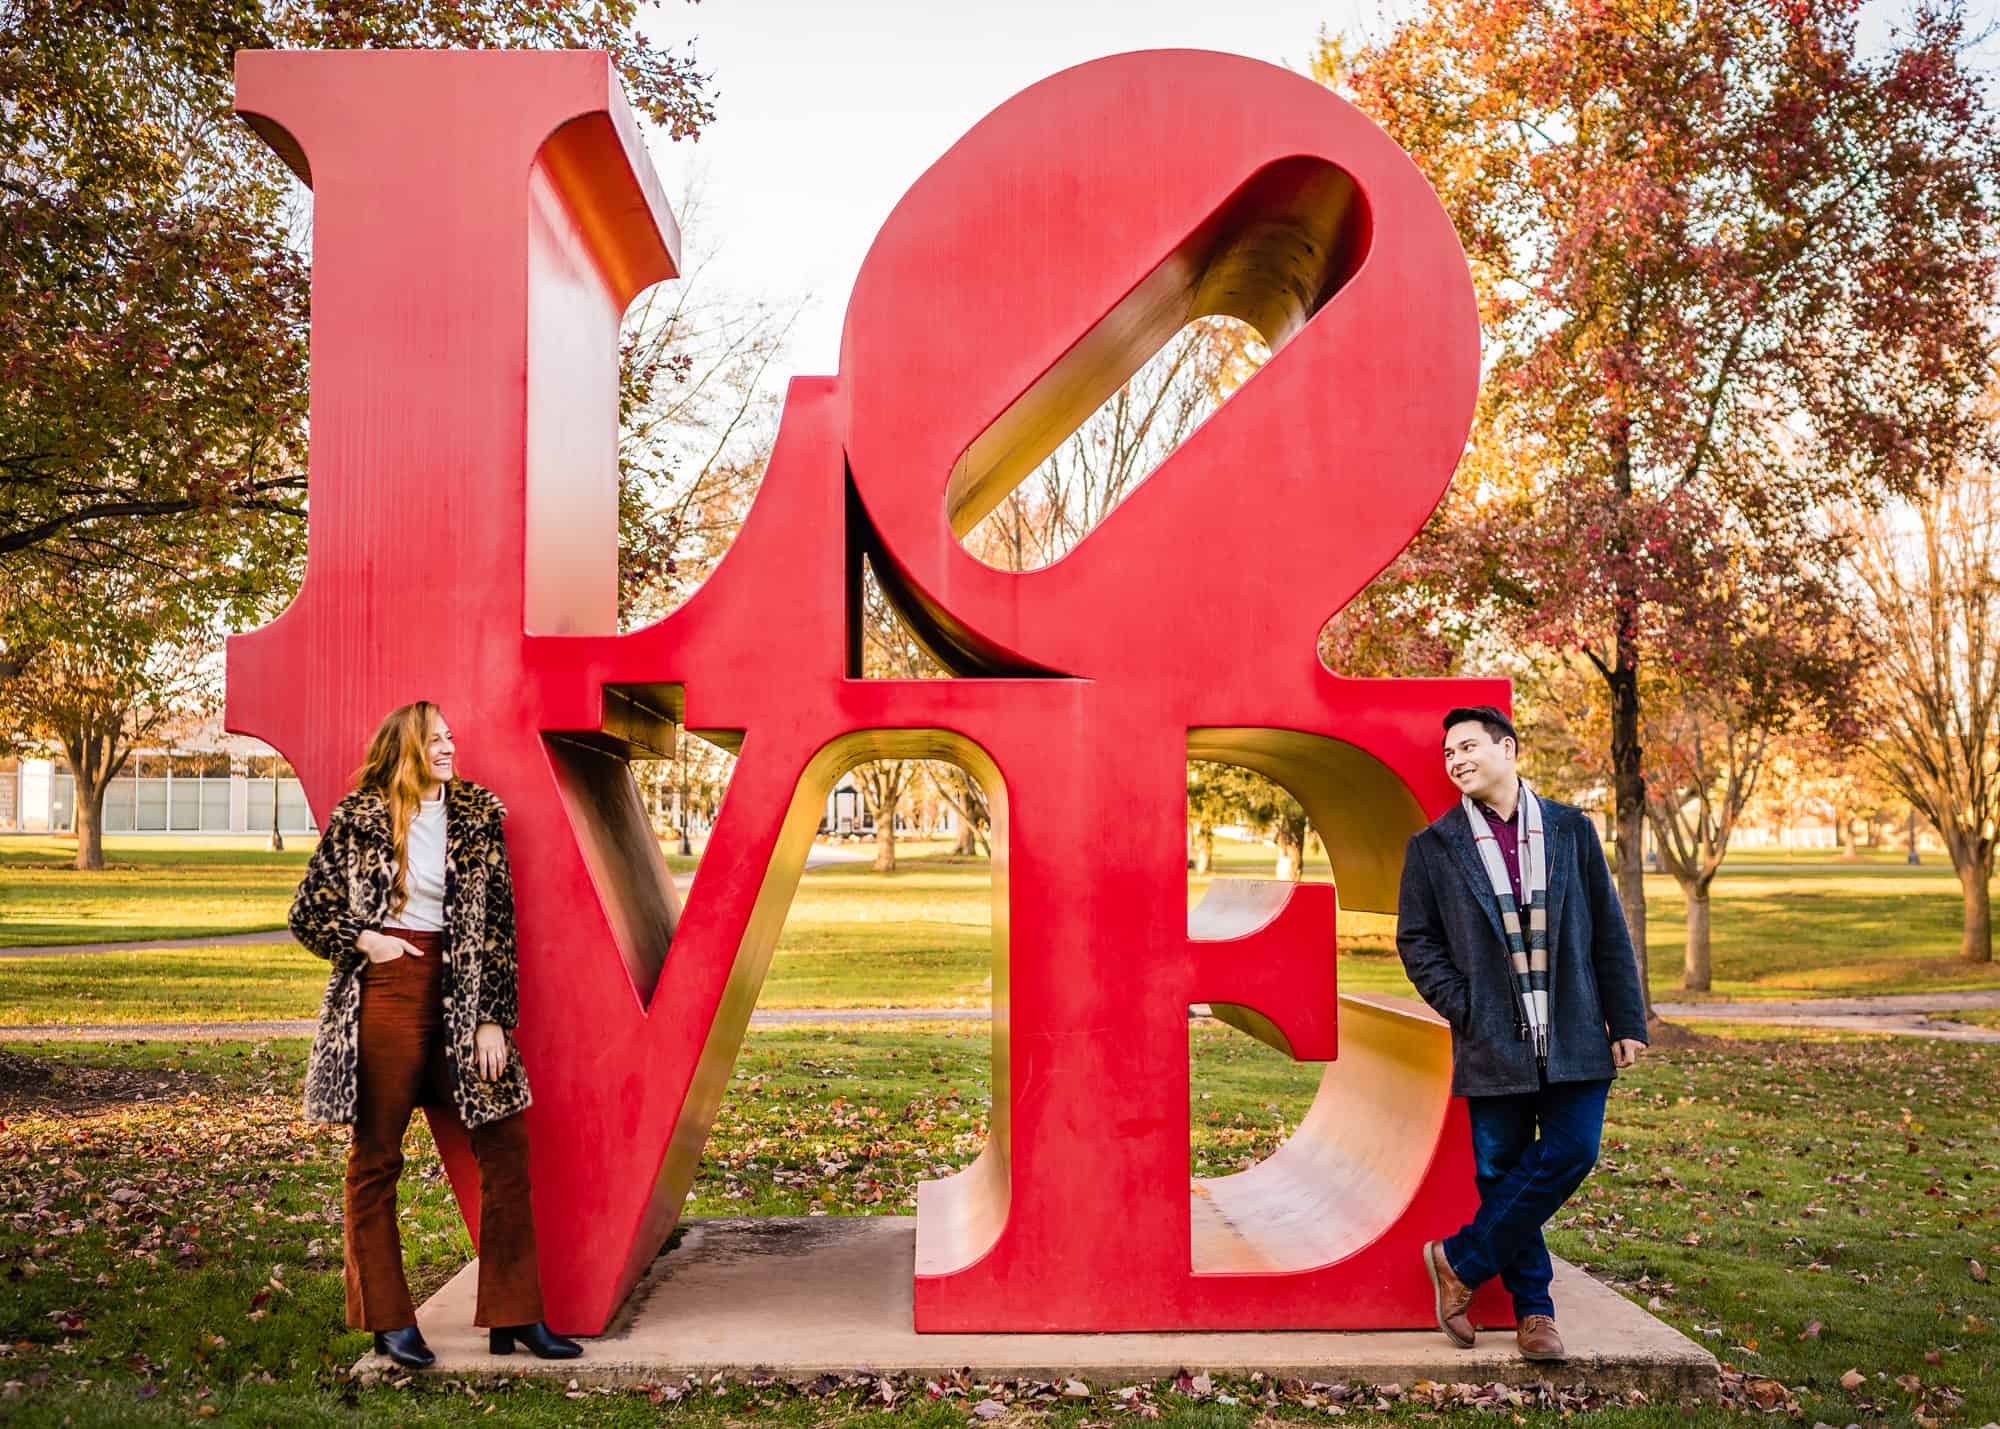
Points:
point(1886, 1004)
point(303, 1027)
point(1907, 1014)
point(211, 940)
point(1901, 1014)
point(820, 857)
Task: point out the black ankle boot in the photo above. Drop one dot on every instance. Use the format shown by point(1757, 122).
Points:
point(406, 1347)
point(537, 1338)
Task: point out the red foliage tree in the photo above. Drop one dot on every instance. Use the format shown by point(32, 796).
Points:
point(1728, 265)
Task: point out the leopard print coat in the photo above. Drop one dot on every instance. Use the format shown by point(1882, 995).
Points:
point(347, 889)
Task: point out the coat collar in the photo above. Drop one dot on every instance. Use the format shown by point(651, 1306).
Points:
point(1456, 827)
point(462, 796)
point(1561, 834)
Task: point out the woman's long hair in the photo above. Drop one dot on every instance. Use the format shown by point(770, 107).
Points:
point(398, 768)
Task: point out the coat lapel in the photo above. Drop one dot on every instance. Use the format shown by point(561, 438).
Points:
point(1457, 827)
point(1561, 857)
point(464, 828)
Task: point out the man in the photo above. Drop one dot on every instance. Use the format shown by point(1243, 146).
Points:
point(1510, 928)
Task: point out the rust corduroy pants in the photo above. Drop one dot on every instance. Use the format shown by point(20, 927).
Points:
point(403, 1067)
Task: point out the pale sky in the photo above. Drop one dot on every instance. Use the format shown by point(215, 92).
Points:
point(827, 110)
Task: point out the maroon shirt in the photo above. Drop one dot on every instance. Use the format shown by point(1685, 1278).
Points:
point(1507, 833)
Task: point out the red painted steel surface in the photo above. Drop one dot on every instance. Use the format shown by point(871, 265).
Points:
point(481, 222)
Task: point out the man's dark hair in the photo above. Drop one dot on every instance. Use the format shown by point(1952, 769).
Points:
point(1497, 725)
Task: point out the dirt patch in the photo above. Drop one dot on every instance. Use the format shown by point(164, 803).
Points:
point(20, 1074)
point(1663, 1036)
point(428, 1277)
point(37, 1085)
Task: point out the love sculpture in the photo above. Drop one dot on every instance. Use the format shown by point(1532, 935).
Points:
point(482, 221)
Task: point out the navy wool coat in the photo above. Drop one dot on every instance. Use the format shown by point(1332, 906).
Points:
point(1454, 948)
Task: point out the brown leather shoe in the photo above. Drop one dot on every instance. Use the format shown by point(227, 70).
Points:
point(1538, 1338)
point(1452, 1295)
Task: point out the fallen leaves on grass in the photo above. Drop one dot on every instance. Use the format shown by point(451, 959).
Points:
point(1809, 1215)
point(990, 1401)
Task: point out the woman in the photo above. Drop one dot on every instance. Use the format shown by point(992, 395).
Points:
point(409, 897)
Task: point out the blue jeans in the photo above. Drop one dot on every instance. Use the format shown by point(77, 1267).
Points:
point(1523, 1180)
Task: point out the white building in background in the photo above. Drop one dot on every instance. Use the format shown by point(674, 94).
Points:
point(846, 811)
point(847, 815)
point(208, 783)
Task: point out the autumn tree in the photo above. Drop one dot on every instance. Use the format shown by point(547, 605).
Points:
point(1726, 263)
point(1770, 652)
point(1929, 577)
point(112, 662)
point(153, 338)
point(1845, 787)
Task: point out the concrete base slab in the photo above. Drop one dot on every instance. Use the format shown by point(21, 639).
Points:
point(796, 1298)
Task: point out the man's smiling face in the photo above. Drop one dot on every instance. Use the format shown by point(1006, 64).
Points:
point(1479, 764)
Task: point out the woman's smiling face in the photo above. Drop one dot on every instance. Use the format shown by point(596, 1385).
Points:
point(440, 753)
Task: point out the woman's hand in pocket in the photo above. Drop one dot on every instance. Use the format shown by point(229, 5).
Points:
point(489, 1050)
point(381, 948)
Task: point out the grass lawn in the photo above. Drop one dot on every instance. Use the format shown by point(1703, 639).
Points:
point(150, 888)
point(1784, 924)
point(1802, 925)
point(155, 887)
point(1826, 928)
point(1804, 1207)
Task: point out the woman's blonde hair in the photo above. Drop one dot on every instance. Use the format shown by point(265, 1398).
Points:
point(398, 768)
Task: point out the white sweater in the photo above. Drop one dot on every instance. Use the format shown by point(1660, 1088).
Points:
point(424, 880)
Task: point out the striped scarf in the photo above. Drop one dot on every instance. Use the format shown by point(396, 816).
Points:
point(1528, 949)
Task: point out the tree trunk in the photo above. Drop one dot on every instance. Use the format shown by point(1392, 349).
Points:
point(1976, 878)
point(1695, 967)
point(882, 785)
point(89, 822)
point(1629, 800)
point(94, 759)
point(1848, 852)
point(968, 808)
point(1627, 769)
point(1204, 849)
point(1291, 850)
point(277, 838)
